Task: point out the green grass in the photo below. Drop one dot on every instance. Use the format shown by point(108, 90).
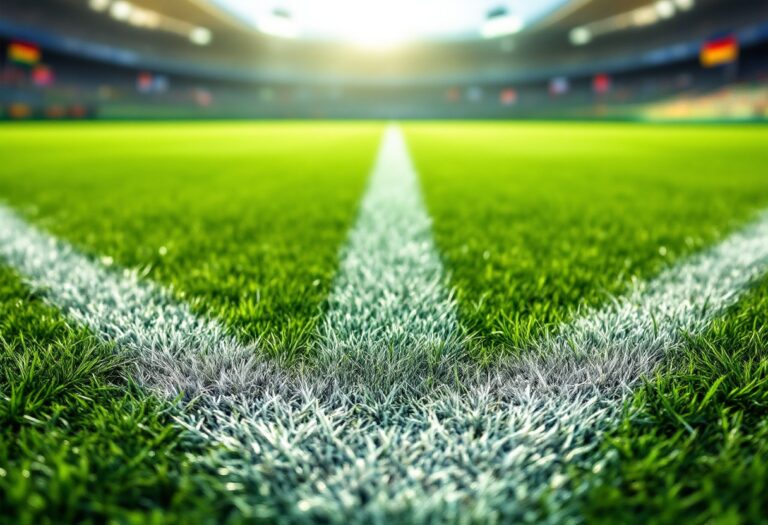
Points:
point(78, 442)
point(693, 446)
point(245, 221)
point(535, 220)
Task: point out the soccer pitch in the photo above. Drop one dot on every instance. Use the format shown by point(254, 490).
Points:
point(378, 323)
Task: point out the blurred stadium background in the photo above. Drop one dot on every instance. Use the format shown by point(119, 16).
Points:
point(159, 59)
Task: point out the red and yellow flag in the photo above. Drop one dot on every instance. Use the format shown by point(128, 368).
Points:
point(23, 53)
point(717, 52)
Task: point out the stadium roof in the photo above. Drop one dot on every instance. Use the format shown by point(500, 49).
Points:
point(200, 37)
point(392, 21)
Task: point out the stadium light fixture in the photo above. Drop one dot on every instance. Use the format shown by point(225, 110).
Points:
point(645, 16)
point(128, 13)
point(200, 36)
point(99, 5)
point(144, 18)
point(121, 10)
point(685, 5)
point(665, 9)
point(500, 22)
point(278, 23)
point(384, 24)
point(642, 16)
point(580, 36)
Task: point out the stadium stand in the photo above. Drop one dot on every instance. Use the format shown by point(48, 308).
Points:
point(210, 64)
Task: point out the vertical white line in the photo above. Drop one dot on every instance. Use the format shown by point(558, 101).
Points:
point(390, 292)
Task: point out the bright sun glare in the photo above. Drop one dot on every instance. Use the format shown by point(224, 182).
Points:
point(380, 24)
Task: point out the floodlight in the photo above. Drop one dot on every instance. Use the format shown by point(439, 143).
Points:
point(99, 5)
point(684, 5)
point(580, 36)
point(121, 10)
point(144, 18)
point(645, 16)
point(200, 36)
point(278, 23)
point(500, 22)
point(665, 9)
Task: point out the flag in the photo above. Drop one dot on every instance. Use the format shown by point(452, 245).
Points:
point(42, 76)
point(559, 86)
point(145, 82)
point(601, 84)
point(20, 53)
point(719, 51)
point(508, 97)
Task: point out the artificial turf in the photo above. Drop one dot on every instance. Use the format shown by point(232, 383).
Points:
point(245, 221)
point(536, 220)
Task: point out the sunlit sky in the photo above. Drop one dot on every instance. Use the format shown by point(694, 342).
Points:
point(386, 21)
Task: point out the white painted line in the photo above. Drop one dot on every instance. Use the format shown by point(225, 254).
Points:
point(392, 439)
point(175, 350)
point(389, 302)
point(615, 345)
point(496, 448)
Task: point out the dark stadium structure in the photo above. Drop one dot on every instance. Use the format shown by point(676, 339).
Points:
point(556, 67)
